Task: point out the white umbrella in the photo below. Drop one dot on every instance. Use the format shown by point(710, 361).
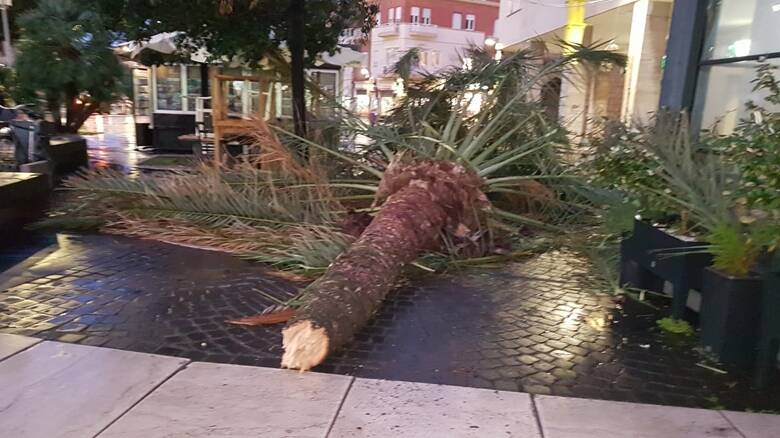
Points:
point(165, 43)
point(345, 57)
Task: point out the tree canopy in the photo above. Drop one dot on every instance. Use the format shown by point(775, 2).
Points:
point(65, 59)
point(247, 29)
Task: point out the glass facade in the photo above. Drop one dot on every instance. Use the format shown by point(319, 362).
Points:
point(177, 89)
point(740, 28)
point(168, 87)
point(740, 34)
point(194, 86)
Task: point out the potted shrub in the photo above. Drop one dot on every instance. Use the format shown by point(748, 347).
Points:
point(729, 190)
point(739, 286)
point(661, 246)
point(769, 338)
point(653, 253)
point(732, 293)
point(709, 184)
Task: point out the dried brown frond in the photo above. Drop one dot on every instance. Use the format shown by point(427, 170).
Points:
point(271, 154)
point(236, 239)
point(272, 318)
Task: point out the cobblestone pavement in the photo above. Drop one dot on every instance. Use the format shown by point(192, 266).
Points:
point(533, 326)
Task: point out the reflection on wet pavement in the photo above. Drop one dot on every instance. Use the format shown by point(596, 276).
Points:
point(111, 143)
point(533, 326)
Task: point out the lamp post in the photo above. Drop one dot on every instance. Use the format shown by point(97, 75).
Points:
point(8, 51)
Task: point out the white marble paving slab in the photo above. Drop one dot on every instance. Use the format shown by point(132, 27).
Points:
point(755, 425)
point(380, 408)
point(10, 344)
point(65, 390)
point(583, 418)
point(218, 400)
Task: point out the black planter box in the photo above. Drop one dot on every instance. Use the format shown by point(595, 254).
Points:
point(168, 128)
point(769, 340)
point(650, 256)
point(730, 316)
point(23, 199)
point(143, 134)
point(67, 154)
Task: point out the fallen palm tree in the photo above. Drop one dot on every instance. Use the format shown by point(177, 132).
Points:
point(433, 175)
point(424, 198)
point(436, 184)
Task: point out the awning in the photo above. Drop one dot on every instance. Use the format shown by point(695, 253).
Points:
point(345, 57)
point(166, 43)
point(163, 43)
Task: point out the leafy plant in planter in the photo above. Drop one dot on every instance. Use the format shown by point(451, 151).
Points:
point(630, 161)
point(755, 146)
point(623, 163)
point(708, 185)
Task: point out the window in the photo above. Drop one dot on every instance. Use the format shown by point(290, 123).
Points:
point(168, 87)
point(457, 18)
point(398, 14)
point(515, 6)
point(740, 32)
point(415, 17)
point(429, 58)
point(177, 87)
point(742, 28)
point(426, 16)
point(194, 87)
point(391, 15)
point(470, 22)
point(328, 82)
point(141, 92)
point(722, 92)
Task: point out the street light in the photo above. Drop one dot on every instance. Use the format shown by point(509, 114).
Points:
point(490, 41)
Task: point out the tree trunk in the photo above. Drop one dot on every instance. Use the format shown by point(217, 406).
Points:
point(297, 74)
point(424, 199)
point(76, 115)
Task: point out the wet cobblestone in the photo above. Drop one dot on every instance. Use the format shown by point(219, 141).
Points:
point(534, 326)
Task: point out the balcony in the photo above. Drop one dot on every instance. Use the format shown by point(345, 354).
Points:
point(422, 30)
point(388, 30)
point(415, 30)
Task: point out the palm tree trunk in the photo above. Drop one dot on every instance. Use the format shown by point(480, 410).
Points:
point(424, 199)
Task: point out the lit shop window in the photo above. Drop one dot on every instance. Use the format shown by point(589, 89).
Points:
point(168, 88)
point(741, 35)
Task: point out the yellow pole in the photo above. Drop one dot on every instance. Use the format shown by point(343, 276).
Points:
point(574, 32)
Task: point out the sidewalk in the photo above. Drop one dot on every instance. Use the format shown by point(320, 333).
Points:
point(52, 389)
point(536, 325)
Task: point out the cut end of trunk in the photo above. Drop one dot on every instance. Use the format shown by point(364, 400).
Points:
point(304, 346)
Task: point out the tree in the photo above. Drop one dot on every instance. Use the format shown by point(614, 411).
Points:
point(249, 29)
point(65, 59)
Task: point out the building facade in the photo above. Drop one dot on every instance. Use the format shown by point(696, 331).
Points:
point(441, 29)
point(697, 56)
point(637, 29)
point(714, 49)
